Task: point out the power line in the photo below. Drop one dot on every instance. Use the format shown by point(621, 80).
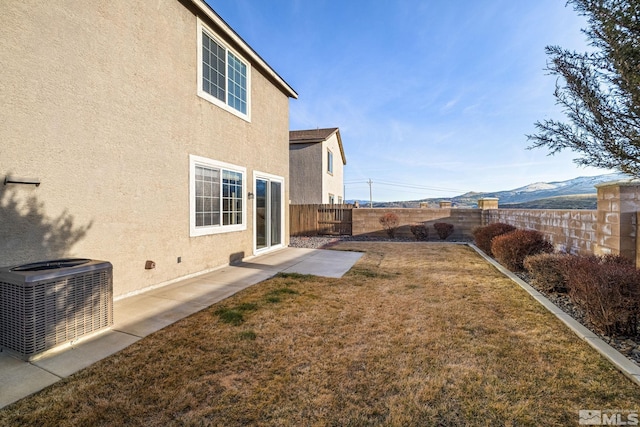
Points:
point(420, 187)
point(403, 185)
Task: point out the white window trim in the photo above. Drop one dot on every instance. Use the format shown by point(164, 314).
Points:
point(270, 177)
point(329, 161)
point(202, 27)
point(214, 229)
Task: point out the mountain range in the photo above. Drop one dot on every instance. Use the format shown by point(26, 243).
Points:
point(577, 193)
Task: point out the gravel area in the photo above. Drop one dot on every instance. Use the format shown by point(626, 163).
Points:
point(312, 242)
point(629, 346)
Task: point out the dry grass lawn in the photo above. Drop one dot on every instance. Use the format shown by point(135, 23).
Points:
point(414, 334)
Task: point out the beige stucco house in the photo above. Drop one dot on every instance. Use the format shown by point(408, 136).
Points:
point(316, 166)
point(135, 131)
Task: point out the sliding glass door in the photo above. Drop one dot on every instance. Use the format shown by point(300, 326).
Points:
point(268, 213)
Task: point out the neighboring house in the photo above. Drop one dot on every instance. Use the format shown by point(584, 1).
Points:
point(316, 166)
point(155, 133)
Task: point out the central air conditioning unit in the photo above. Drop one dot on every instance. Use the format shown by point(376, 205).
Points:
point(46, 304)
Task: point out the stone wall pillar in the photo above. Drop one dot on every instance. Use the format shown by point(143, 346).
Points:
point(618, 204)
point(445, 204)
point(488, 203)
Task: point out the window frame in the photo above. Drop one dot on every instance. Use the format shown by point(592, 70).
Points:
point(194, 230)
point(329, 161)
point(225, 105)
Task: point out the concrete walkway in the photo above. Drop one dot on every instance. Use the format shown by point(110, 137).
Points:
point(138, 316)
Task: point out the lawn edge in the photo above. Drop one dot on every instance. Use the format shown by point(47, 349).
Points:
point(620, 361)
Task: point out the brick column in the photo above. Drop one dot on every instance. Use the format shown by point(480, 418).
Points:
point(618, 204)
point(445, 205)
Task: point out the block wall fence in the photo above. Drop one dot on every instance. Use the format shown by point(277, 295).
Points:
point(365, 221)
point(610, 229)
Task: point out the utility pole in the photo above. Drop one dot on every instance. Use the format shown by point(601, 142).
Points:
point(370, 194)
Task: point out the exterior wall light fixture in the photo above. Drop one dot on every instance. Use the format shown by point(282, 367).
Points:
point(15, 180)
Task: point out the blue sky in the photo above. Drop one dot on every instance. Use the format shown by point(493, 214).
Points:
point(432, 98)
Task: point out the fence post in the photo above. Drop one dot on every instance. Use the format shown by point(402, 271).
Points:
point(618, 204)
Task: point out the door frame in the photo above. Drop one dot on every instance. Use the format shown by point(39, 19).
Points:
point(269, 178)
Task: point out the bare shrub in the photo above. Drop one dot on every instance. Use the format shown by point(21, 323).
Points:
point(443, 229)
point(608, 289)
point(420, 231)
point(484, 235)
point(389, 222)
point(512, 248)
point(547, 271)
point(616, 259)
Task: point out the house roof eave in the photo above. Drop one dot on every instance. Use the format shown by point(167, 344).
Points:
point(314, 136)
point(344, 158)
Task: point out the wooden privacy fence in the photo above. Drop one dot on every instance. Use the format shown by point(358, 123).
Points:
point(319, 220)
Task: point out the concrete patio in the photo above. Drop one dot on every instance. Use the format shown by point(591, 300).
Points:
point(140, 315)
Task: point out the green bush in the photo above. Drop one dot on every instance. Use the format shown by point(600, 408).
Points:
point(419, 231)
point(484, 235)
point(512, 248)
point(389, 222)
point(443, 229)
point(608, 289)
point(547, 271)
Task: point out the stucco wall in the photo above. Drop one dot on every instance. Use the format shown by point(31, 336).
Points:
point(100, 103)
point(332, 183)
point(306, 173)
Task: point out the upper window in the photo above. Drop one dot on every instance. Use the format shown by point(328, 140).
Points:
point(224, 76)
point(329, 161)
point(216, 197)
